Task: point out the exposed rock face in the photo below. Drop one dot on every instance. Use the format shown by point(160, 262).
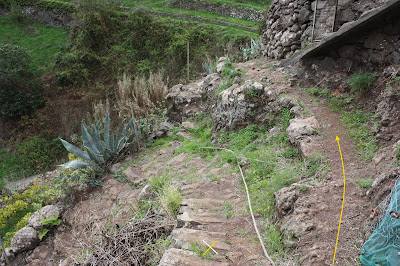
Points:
point(46, 212)
point(241, 105)
point(25, 239)
point(186, 101)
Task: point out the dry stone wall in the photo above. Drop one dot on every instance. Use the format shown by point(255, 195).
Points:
point(289, 24)
point(224, 10)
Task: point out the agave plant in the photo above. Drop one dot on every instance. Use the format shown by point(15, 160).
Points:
point(100, 149)
point(252, 50)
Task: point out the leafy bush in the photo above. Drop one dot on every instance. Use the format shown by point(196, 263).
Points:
point(20, 93)
point(362, 82)
point(37, 153)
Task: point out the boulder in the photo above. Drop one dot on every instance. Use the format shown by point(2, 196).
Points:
point(300, 127)
point(133, 175)
point(46, 212)
point(25, 239)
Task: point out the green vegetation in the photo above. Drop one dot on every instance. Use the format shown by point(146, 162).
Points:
point(20, 93)
point(364, 183)
point(109, 45)
point(153, 4)
point(272, 165)
point(361, 82)
point(228, 209)
point(42, 42)
point(358, 122)
point(172, 198)
point(199, 250)
point(156, 250)
point(33, 155)
point(20, 206)
point(102, 150)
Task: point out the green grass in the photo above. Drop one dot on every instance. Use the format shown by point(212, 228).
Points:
point(228, 209)
point(41, 41)
point(257, 5)
point(364, 183)
point(273, 165)
point(357, 123)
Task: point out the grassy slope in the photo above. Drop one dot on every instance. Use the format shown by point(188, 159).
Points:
point(41, 41)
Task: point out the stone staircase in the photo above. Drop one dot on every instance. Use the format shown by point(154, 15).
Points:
point(201, 218)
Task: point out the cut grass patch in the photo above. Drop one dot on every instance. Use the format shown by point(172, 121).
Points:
point(364, 183)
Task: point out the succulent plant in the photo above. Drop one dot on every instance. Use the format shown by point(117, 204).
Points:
point(101, 150)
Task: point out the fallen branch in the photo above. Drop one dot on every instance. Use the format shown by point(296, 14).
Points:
point(248, 200)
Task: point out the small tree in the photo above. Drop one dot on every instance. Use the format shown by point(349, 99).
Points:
point(20, 92)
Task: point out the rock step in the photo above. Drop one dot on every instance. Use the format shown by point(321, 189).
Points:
point(184, 237)
point(208, 204)
point(174, 256)
point(200, 218)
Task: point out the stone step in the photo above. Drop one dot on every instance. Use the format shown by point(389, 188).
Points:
point(205, 204)
point(184, 237)
point(200, 218)
point(174, 256)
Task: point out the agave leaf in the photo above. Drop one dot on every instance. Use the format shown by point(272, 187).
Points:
point(134, 126)
point(78, 164)
point(107, 128)
point(112, 144)
point(97, 158)
point(121, 144)
point(75, 150)
point(88, 141)
point(121, 129)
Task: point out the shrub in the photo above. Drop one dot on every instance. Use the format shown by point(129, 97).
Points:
point(36, 153)
point(362, 82)
point(20, 93)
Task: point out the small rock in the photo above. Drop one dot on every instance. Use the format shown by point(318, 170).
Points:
point(220, 66)
point(288, 102)
point(285, 199)
point(188, 124)
point(115, 168)
point(295, 110)
point(44, 213)
point(275, 131)
point(145, 193)
point(133, 175)
point(25, 239)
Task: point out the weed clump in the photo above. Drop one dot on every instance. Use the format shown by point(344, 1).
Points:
point(361, 82)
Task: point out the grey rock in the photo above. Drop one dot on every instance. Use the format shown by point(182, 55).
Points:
point(46, 212)
point(174, 256)
point(25, 239)
point(220, 66)
point(163, 128)
point(133, 175)
point(304, 15)
point(296, 110)
point(285, 199)
point(300, 127)
point(288, 102)
point(275, 131)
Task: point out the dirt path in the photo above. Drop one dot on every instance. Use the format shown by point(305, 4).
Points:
point(321, 204)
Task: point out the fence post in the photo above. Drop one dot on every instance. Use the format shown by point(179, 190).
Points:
point(188, 61)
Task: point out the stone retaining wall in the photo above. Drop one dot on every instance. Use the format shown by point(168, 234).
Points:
point(224, 10)
point(46, 16)
point(289, 24)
